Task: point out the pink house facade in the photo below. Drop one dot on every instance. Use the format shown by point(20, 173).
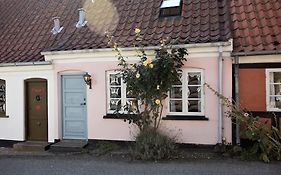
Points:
point(70, 49)
point(189, 129)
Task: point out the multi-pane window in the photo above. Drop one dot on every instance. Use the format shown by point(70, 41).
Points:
point(2, 98)
point(274, 90)
point(119, 99)
point(186, 96)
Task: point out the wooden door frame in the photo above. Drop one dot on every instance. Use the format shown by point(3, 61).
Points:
point(26, 104)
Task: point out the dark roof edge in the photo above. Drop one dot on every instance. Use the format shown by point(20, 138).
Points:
point(253, 53)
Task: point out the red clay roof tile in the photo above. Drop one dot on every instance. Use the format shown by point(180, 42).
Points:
point(256, 25)
point(25, 26)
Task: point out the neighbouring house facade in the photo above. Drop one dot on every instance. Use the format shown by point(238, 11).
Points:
point(46, 48)
point(256, 51)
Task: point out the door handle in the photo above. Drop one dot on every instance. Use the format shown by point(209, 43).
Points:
point(83, 103)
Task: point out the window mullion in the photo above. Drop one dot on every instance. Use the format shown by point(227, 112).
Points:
point(123, 93)
point(108, 91)
point(184, 92)
point(202, 93)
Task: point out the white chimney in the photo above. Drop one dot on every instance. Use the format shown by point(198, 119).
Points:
point(57, 28)
point(82, 16)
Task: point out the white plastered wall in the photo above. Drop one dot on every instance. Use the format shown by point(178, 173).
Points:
point(13, 127)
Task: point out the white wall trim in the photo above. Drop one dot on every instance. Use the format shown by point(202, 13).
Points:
point(26, 68)
point(196, 45)
point(260, 59)
point(96, 55)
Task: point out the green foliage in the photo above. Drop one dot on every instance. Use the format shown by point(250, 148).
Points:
point(154, 145)
point(149, 80)
point(265, 140)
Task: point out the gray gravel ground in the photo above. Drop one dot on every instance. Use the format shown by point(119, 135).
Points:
point(88, 164)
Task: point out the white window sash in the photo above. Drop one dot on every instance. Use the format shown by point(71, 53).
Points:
point(123, 97)
point(270, 92)
point(185, 96)
point(108, 73)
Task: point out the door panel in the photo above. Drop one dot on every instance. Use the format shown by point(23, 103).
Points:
point(74, 107)
point(36, 110)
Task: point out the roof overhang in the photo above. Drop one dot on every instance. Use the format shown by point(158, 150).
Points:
point(253, 53)
point(107, 54)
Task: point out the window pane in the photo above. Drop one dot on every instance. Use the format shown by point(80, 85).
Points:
point(275, 77)
point(194, 106)
point(179, 82)
point(115, 92)
point(132, 105)
point(2, 103)
point(115, 104)
point(176, 92)
point(115, 79)
point(194, 92)
point(194, 78)
point(275, 102)
point(130, 95)
point(170, 3)
point(175, 106)
point(2, 98)
point(275, 89)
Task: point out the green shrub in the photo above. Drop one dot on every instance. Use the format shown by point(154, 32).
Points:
point(151, 144)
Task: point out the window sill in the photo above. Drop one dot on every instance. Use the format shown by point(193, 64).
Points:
point(4, 116)
point(168, 117)
point(118, 116)
point(185, 117)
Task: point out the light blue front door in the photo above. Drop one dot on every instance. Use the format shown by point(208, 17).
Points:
point(74, 118)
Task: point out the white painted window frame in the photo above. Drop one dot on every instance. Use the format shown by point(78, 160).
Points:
point(123, 86)
point(185, 97)
point(268, 83)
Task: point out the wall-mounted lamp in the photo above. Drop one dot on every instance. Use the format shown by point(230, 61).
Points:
point(88, 80)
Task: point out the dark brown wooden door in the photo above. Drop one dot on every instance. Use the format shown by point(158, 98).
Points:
point(36, 110)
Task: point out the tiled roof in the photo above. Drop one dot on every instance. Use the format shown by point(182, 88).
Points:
point(25, 26)
point(256, 25)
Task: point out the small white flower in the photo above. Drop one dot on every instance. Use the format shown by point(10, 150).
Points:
point(137, 75)
point(246, 114)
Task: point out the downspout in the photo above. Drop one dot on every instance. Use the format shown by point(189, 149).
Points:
point(220, 90)
point(236, 76)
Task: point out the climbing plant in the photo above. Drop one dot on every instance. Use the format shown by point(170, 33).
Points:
point(264, 139)
point(149, 79)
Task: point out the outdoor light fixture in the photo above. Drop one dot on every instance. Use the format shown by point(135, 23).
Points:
point(88, 80)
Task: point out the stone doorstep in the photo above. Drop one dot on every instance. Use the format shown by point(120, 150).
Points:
point(31, 146)
point(69, 146)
